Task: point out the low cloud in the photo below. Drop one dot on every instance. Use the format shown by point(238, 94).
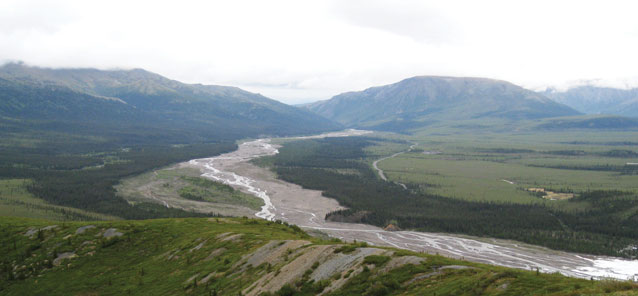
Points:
point(297, 51)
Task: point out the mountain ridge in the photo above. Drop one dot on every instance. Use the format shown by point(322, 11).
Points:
point(598, 100)
point(99, 82)
point(421, 99)
point(148, 99)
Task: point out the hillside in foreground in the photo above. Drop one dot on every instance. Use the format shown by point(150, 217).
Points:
point(222, 256)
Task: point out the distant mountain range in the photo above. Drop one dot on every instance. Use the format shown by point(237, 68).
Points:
point(138, 103)
point(598, 100)
point(137, 106)
point(418, 101)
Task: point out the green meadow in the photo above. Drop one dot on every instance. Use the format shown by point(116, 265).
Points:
point(500, 167)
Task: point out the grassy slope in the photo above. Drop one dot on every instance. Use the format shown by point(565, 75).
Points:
point(158, 257)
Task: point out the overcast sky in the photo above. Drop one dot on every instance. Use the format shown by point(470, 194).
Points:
point(299, 51)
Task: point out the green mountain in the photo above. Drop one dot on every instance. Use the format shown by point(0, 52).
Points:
point(598, 100)
point(130, 104)
point(419, 101)
point(221, 256)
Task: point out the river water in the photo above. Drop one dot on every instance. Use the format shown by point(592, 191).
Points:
point(307, 209)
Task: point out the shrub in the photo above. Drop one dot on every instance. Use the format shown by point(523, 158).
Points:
point(377, 260)
point(346, 249)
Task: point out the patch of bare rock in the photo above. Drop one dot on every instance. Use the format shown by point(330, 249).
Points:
point(112, 232)
point(82, 229)
point(291, 260)
point(33, 231)
point(62, 256)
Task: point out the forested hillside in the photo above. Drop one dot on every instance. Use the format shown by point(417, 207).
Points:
point(120, 105)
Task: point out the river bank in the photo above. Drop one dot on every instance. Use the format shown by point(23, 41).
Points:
point(307, 209)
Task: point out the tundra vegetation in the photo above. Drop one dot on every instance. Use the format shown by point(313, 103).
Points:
point(240, 256)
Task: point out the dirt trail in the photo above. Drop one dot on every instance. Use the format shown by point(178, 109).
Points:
point(380, 171)
point(307, 208)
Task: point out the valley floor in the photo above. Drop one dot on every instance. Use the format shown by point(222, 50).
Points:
point(307, 208)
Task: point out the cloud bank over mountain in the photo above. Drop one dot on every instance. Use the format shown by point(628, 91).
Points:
point(299, 52)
